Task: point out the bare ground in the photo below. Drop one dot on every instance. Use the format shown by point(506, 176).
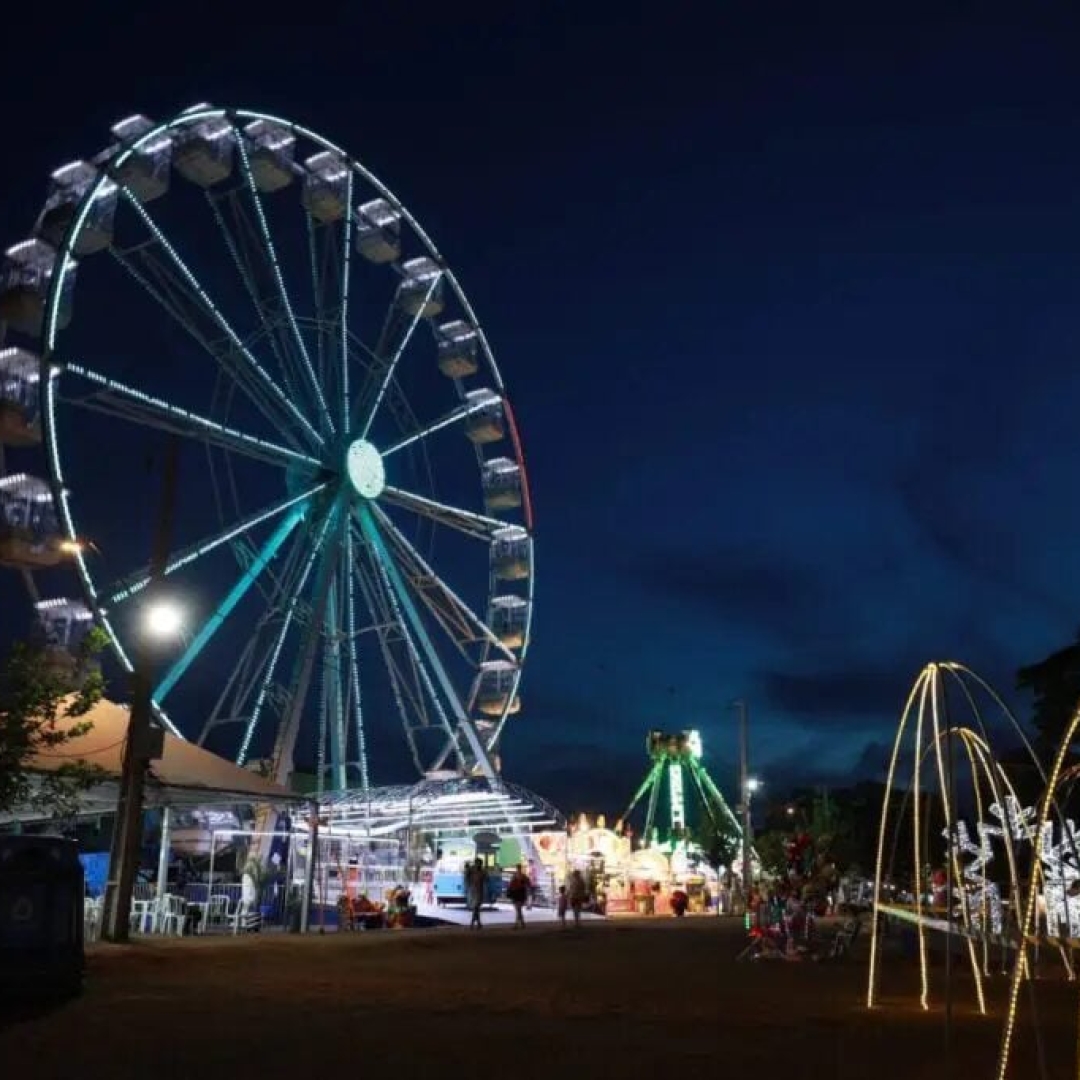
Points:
point(626, 998)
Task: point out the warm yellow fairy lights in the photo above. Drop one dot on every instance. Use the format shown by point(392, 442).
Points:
point(1033, 887)
point(931, 730)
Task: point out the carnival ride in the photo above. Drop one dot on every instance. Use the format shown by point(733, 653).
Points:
point(676, 760)
point(254, 292)
point(1011, 905)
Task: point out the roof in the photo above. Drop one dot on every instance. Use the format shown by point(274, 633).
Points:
point(185, 775)
point(444, 804)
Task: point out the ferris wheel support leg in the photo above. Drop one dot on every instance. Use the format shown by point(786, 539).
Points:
point(236, 594)
point(305, 666)
point(354, 696)
point(378, 548)
point(335, 703)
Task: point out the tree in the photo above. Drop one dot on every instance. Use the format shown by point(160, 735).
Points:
point(771, 848)
point(1055, 684)
point(720, 845)
point(36, 693)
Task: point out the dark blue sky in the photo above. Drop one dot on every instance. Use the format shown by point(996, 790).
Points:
point(789, 312)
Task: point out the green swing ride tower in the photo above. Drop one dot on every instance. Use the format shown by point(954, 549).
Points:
point(676, 758)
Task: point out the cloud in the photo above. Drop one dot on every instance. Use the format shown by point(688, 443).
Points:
point(571, 775)
point(824, 759)
point(740, 585)
point(836, 698)
point(873, 761)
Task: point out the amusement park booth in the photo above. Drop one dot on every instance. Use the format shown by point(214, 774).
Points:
point(603, 856)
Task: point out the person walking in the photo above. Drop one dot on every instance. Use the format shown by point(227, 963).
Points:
point(577, 891)
point(475, 888)
point(534, 883)
point(560, 906)
point(518, 892)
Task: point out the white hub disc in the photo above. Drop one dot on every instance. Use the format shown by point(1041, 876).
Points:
point(365, 467)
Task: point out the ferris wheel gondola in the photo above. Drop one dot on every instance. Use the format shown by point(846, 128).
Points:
point(252, 290)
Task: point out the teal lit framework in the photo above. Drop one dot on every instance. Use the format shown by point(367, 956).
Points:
point(676, 762)
point(330, 521)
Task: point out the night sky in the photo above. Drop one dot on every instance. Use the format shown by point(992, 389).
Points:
point(789, 313)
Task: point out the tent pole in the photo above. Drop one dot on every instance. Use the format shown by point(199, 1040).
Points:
point(210, 878)
point(309, 870)
point(163, 858)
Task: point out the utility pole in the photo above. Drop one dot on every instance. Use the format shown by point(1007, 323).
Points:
point(744, 800)
point(143, 742)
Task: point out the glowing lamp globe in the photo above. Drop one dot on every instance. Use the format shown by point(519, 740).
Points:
point(164, 620)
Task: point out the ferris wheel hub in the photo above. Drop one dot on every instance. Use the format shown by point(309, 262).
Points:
point(364, 465)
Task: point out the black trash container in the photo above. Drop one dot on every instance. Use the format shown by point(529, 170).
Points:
point(41, 917)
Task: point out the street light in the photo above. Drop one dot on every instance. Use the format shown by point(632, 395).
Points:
point(745, 791)
point(753, 784)
point(164, 620)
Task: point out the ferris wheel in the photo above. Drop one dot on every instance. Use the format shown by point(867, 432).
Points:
point(352, 535)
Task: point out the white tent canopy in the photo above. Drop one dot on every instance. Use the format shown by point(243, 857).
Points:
point(186, 775)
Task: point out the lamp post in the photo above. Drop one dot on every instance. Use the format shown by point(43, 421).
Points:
point(143, 740)
point(746, 787)
point(143, 744)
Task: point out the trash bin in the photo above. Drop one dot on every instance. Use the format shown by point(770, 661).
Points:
point(41, 917)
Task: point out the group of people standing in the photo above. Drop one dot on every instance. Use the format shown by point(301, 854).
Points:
point(520, 892)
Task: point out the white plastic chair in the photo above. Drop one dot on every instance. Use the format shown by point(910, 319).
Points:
point(171, 916)
point(217, 910)
point(238, 916)
point(144, 916)
point(91, 919)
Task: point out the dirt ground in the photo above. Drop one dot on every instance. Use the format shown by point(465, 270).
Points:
point(626, 998)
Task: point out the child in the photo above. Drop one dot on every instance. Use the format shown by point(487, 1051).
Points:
point(561, 908)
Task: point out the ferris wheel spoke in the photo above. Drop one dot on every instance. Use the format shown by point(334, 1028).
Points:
point(343, 310)
point(275, 267)
point(452, 613)
point(239, 239)
point(396, 351)
point(171, 294)
point(163, 288)
point(476, 525)
point(291, 608)
point(325, 261)
point(453, 417)
point(142, 408)
point(225, 608)
point(403, 602)
point(251, 365)
point(355, 697)
point(132, 584)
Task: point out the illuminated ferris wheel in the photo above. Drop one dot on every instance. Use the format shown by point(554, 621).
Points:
point(352, 538)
